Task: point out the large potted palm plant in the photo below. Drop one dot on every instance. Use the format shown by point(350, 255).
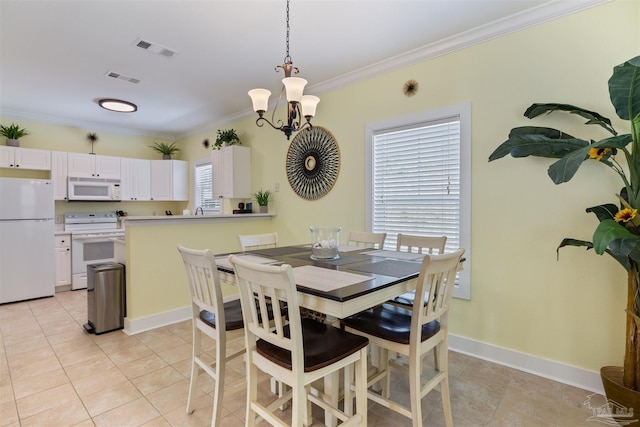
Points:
point(618, 231)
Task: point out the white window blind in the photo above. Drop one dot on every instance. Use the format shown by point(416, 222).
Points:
point(203, 186)
point(416, 181)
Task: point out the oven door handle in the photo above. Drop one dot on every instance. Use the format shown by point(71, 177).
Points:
point(95, 238)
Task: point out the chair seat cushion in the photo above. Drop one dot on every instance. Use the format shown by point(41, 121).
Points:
point(232, 316)
point(323, 345)
point(389, 322)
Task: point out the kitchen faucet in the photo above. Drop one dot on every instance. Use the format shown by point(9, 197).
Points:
point(200, 209)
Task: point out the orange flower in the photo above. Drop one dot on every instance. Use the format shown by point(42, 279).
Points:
point(598, 153)
point(626, 215)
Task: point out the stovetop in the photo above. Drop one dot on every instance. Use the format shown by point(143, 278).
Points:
point(91, 222)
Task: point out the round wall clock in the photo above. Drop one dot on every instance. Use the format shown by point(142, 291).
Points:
point(313, 163)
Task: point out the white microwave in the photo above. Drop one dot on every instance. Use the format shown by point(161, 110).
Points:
point(93, 189)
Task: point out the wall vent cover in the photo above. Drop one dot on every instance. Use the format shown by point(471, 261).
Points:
point(121, 76)
point(155, 48)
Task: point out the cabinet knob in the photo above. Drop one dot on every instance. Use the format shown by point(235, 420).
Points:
point(68, 249)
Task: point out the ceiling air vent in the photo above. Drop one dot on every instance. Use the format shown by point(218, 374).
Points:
point(155, 48)
point(120, 76)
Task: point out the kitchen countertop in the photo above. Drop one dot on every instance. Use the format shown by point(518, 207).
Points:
point(176, 219)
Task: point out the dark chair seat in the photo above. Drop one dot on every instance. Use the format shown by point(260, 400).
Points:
point(407, 298)
point(390, 322)
point(323, 345)
point(232, 316)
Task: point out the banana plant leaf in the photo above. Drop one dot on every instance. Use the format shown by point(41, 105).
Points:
point(606, 211)
point(537, 141)
point(622, 259)
point(624, 89)
point(592, 117)
point(617, 238)
point(565, 168)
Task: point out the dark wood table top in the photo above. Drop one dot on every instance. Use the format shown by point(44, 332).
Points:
point(383, 271)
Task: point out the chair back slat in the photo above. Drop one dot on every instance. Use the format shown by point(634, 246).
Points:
point(437, 279)
point(258, 241)
point(421, 244)
point(366, 239)
point(264, 287)
point(204, 284)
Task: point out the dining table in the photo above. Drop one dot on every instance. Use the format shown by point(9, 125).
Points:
point(357, 279)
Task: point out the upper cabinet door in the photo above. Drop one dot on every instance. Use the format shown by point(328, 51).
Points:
point(59, 174)
point(135, 179)
point(25, 158)
point(93, 166)
point(107, 167)
point(231, 172)
point(30, 158)
point(81, 165)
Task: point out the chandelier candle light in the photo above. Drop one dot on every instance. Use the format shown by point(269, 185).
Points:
point(298, 105)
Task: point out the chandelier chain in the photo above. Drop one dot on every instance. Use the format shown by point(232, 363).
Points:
point(287, 58)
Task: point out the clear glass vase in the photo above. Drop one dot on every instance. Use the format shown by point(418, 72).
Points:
point(324, 242)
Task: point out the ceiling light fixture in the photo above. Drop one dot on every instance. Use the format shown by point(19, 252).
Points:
point(298, 105)
point(118, 105)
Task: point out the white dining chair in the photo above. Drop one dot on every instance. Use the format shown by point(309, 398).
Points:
point(366, 239)
point(417, 244)
point(297, 353)
point(219, 321)
point(413, 333)
point(257, 241)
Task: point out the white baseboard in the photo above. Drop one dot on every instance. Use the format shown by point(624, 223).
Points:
point(553, 370)
point(147, 323)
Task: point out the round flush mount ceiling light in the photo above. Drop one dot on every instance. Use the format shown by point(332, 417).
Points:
point(118, 105)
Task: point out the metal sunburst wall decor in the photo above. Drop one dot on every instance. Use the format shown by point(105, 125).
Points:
point(313, 163)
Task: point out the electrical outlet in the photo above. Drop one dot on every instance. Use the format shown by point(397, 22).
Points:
point(276, 187)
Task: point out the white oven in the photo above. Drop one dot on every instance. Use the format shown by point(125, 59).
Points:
point(91, 242)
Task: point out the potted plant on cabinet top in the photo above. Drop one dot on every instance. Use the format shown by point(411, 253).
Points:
point(262, 197)
point(226, 137)
point(166, 149)
point(13, 133)
point(618, 232)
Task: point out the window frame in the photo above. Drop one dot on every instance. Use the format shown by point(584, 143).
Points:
point(463, 111)
point(195, 165)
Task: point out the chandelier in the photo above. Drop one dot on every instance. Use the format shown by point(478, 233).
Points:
point(298, 105)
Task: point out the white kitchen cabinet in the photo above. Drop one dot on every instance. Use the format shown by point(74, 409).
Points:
point(169, 180)
point(135, 175)
point(59, 174)
point(63, 259)
point(231, 168)
point(93, 166)
point(25, 158)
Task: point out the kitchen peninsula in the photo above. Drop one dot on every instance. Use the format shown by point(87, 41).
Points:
point(156, 285)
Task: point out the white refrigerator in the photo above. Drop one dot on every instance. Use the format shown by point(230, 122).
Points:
point(27, 253)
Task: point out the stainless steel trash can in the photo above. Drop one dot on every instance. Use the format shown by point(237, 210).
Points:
point(105, 297)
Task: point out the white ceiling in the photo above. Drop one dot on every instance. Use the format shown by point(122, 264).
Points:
point(55, 54)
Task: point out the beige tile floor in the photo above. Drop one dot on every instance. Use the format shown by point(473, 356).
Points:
point(52, 373)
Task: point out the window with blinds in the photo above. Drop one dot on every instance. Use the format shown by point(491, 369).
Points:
point(203, 187)
point(418, 180)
